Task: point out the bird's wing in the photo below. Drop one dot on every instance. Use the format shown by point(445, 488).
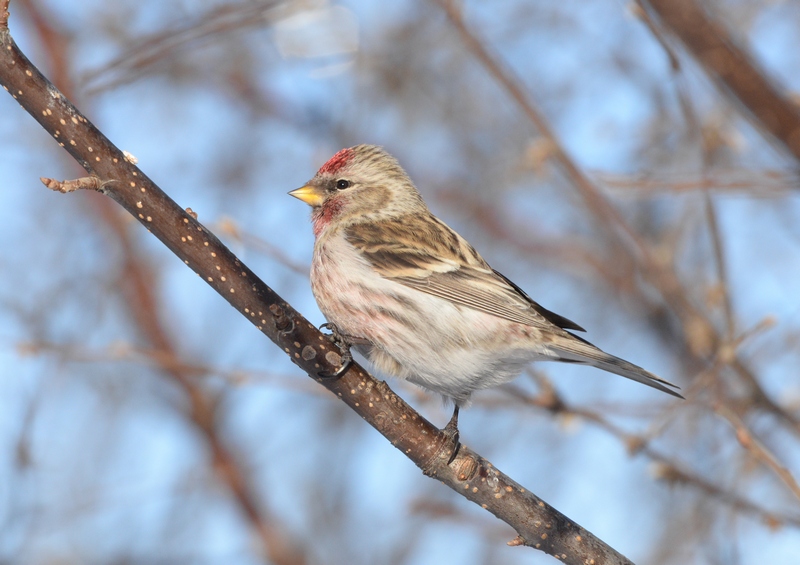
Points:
point(425, 254)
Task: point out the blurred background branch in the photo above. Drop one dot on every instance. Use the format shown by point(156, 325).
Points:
point(734, 69)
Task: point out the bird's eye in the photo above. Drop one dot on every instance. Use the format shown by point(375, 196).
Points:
point(341, 184)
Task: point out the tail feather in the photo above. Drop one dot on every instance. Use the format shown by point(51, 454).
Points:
point(577, 350)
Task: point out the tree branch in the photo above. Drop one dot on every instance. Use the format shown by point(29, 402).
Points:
point(537, 524)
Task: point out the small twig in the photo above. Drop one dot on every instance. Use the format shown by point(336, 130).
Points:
point(764, 183)
point(720, 266)
point(4, 13)
point(639, 11)
point(228, 226)
point(65, 186)
point(164, 360)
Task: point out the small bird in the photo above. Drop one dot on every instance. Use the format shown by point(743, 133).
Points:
point(416, 299)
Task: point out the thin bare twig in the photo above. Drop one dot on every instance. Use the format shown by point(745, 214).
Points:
point(137, 58)
point(115, 352)
point(4, 13)
point(229, 227)
point(764, 183)
point(759, 451)
point(722, 290)
point(667, 469)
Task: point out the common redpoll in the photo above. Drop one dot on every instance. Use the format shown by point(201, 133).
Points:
point(415, 298)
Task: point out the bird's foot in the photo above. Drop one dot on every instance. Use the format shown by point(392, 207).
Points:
point(451, 431)
point(343, 344)
point(449, 448)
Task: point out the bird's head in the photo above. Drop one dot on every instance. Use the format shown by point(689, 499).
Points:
point(359, 184)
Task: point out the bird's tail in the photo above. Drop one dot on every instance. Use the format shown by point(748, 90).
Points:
point(578, 350)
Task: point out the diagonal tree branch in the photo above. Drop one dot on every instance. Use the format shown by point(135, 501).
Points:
point(116, 175)
point(732, 68)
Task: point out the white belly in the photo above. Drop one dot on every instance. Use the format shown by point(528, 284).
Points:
point(447, 348)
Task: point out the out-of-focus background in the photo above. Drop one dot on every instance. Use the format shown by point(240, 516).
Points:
point(142, 420)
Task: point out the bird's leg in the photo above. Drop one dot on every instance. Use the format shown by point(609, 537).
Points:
point(451, 445)
point(343, 344)
point(451, 431)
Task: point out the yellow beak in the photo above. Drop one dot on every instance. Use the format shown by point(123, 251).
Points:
point(309, 194)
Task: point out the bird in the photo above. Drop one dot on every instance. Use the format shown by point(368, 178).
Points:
point(416, 299)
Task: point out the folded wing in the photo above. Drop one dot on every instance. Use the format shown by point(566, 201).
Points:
point(432, 258)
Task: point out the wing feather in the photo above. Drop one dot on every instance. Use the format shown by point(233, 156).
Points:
point(430, 257)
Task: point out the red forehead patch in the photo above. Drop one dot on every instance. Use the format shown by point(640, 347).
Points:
point(337, 162)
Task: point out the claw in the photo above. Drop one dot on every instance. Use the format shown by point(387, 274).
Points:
point(346, 362)
point(344, 346)
point(288, 330)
